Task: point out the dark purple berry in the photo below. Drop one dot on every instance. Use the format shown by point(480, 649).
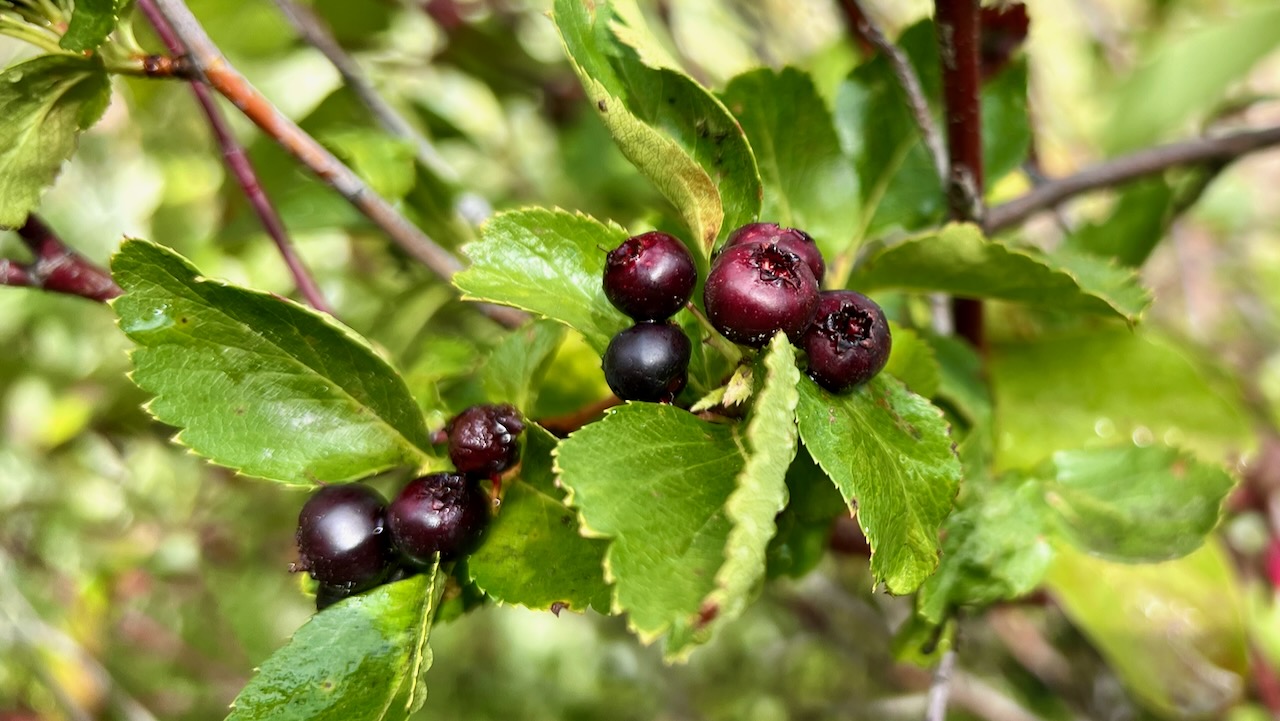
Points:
point(754, 291)
point(650, 276)
point(441, 513)
point(790, 239)
point(327, 595)
point(648, 362)
point(848, 342)
point(482, 439)
point(340, 537)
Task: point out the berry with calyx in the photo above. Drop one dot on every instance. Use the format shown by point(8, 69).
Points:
point(848, 342)
point(441, 513)
point(756, 290)
point(790, 239)
point(648, 362)
point(340, 537)
point(650, 276)
point(482, 439)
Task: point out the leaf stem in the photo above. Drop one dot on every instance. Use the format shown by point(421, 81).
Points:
point(958, 30)
point(223, 77)
point(29, 33)
point(237, 161)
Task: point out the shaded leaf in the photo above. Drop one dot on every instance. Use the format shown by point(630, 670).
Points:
point(91, 22)
point(532, 554)
point(516, 367)
point(258, 383)
point(912, 361)
point(889, 452)
point(1132, 230)
point(1135, 504)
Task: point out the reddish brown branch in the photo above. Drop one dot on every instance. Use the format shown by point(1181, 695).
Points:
point(56, 267)
point(219, 73)
point(959, 42)
point(1221, 149)
point(241, 169)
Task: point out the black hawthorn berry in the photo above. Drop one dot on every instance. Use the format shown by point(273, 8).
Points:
point(650, 276)
point(791, 239)
point(756, 290)
point(848, 342)
point(340, 537)
point(482, 439)
point(327, 595)
point(648, 362)
point(441, 513)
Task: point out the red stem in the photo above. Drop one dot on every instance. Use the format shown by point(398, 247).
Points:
point(237, 161)
point(959, 36)
point(57, 268)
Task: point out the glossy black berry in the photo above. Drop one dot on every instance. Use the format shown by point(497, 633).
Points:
point(790, 239)
point(482, 439)
point(848, 342)
point(650, 276)
point(441, 513)
point(648, 362)
point(327, 595)
point(341, 539)
point(756, 290)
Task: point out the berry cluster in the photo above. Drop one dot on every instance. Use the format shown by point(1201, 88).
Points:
point(350, 539)
point(649, 277)
point(765, 280)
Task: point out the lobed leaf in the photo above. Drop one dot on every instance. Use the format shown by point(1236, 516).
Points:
point(890, 454)
point(548, 262)
point(654, 479)
point(349, 661)
point(672, 129)
point(258, 383)
point(958, 260)
point(47, 102)
point(532, 554)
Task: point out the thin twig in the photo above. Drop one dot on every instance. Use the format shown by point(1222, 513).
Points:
point(1223, 148)
point(242, 170)
point(958, 30)
point(313, 30)
point(224, 78)
point(56, 267)
point(858, 20)
point(940, 689)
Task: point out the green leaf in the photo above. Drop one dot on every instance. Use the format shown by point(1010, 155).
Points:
point(348, 661)
point(549, 262)
point(958, 260)
point(1136, 504)
point(1006, 122)
point(804, 527)
point(655, 480)
point(1132, 230)
point(91, 22)
point(1173, 631)
point(889, 452)
point(258, 383)
point(995, 549)
point(961, 381)
point(386, 163)
point(673, 130)
point(912, 361)
point(808, 182)
point(761, 488)
point(532, 554)
point(420, 657)
point(1185, 78)
point(47, 102)
point(516, 367)
point(1088, 390)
